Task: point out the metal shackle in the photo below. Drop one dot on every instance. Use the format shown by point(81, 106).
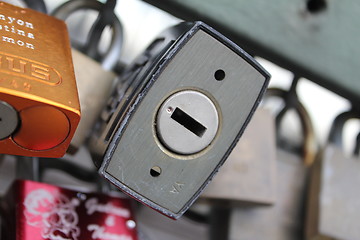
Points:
point(110, 59)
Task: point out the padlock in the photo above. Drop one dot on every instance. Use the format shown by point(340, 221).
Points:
point(333, 210)
point(89, 73)
point(39, 105)
point(176, 116)
point(152, 225)
point(94, 85)
point(284, 219)
point(106, 17)
point(249, 174)
point(36, 210)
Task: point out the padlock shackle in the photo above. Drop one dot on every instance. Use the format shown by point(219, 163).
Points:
point(69, 168)
point(309, 144)
point(38, 5)
point(357, 146)
point(336, 130)
point(110, 60)
point(27, 168)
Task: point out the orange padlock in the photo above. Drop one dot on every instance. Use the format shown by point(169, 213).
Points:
point(39, 104)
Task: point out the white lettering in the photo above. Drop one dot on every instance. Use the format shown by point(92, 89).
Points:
point(12, 28)
point(29, 45)
point(92, 205)
point(20, 43)
point(99, 233)
point(21, 32)
point(17, 31)
point(20, 22)
point(29, 25)
point(9, 40)
point(11, 19)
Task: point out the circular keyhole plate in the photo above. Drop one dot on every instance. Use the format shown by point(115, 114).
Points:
point(8, 120)
point(187, 122)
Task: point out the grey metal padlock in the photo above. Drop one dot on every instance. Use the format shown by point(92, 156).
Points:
point(334, 206)
point(176, 116)
point(284, 219)
point(249, 174)
point(94, 87)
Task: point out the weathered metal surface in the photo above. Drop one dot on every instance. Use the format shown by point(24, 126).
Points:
point(135, 150)
point(334, 206)
point(321, 46)
point(248, 176)
point(283, 220)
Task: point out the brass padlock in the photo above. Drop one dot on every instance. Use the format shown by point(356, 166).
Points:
point(249, 174)
point(282, 220)
point(95, 85)
point(333, 206)
point(39, 105)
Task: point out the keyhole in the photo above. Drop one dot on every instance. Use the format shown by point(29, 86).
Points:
point(155, 171)
point(219, 75)
point(316, 6)
point(188, 122)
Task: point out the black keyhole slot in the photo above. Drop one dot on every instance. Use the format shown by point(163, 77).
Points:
point(219, 75)
point(155, 171)
point(188, 122)
point(316, 6)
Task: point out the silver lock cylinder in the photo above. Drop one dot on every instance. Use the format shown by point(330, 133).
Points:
point(9, 120)
point(187, 122)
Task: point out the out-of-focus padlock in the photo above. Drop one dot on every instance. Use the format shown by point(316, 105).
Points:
point(106, 17)
point(283, 220)
point(334, 206)
point(41, 211)
point(39, 105)
point(94, 85)
point(170, 126)
point(249, 174)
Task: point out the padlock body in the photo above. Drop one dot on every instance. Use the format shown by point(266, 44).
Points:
point(168, 135)
point(94, 85)
point(249, 174)
point(42, 211)
point(37, 80)
point(333, 206)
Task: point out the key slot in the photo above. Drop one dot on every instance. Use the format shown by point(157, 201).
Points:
point(188, 122)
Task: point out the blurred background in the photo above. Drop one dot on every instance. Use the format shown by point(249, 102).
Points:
point(310, 49)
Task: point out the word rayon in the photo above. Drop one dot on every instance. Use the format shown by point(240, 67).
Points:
point(12, 29)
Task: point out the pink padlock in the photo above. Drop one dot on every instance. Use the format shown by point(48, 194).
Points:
point(38, 211)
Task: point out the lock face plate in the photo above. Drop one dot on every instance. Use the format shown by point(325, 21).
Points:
point(202, 62)
point(37, 76)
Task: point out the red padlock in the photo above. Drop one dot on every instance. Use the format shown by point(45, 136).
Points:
point(41, 211)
